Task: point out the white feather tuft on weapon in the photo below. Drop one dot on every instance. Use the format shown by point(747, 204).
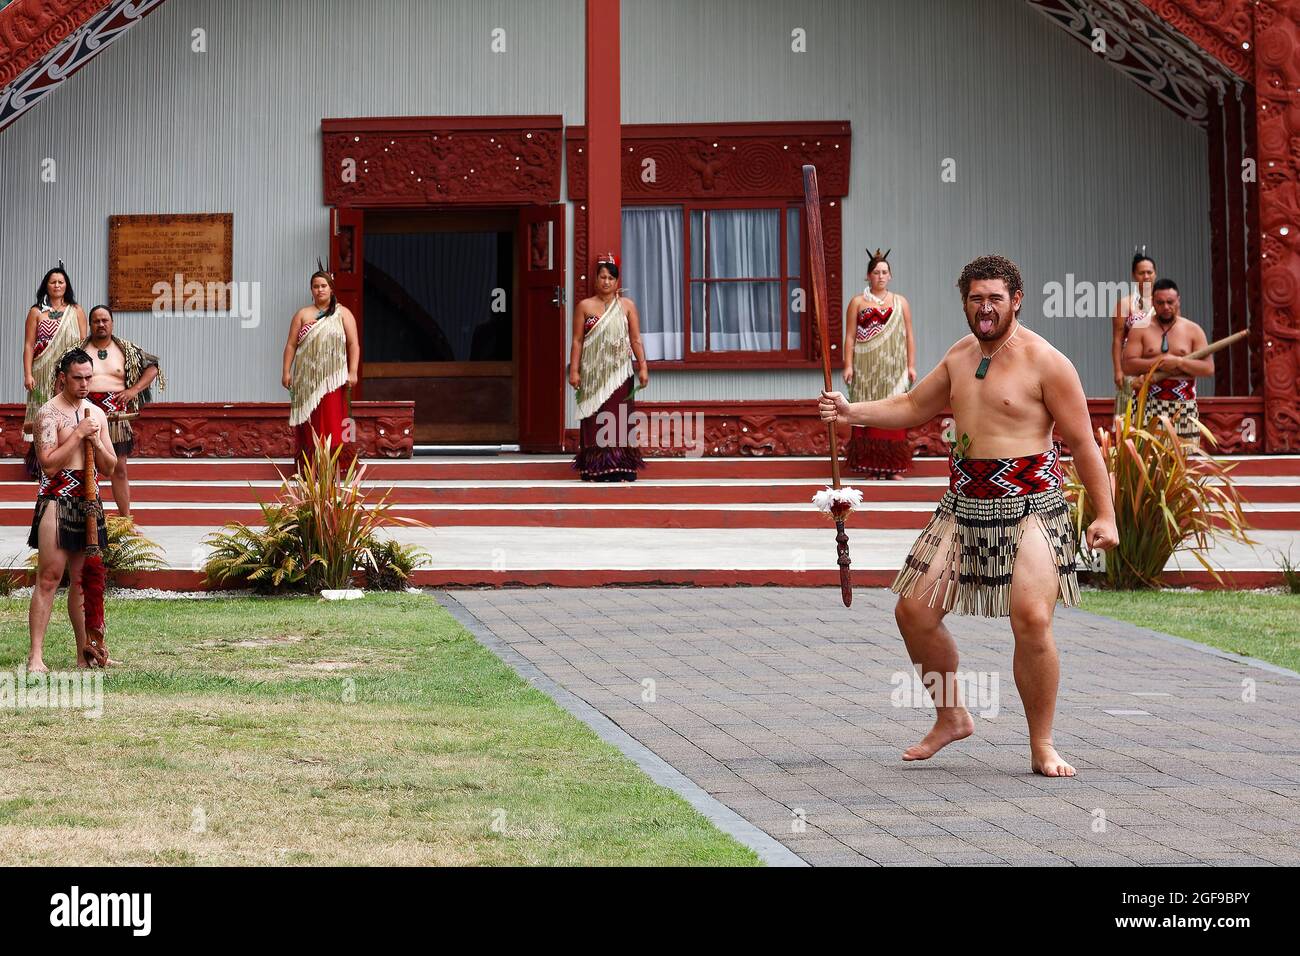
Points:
point(838, 502)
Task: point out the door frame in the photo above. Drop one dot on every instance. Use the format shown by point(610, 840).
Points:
point(445, 163)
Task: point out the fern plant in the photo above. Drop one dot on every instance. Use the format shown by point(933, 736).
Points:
point(271, 558)
point(393, 564)
point(1169, 496)
point(128, 550)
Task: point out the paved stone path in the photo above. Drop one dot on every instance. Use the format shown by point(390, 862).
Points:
point(787, 708)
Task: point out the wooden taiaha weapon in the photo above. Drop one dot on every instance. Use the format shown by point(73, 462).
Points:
point(95, 652)
point(836, 503)
point(1210, 349)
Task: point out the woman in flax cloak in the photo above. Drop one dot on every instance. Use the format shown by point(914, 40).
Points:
point(606, 339)
point(55, 324)
point(879, 362)
point(320, 360)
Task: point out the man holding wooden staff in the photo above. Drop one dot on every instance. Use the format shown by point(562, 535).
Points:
point(1001, 542)
point(1170, 338)
point(59, 527)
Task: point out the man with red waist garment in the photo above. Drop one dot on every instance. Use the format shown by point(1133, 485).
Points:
point(1001, 543)
point(1170, 337)
point(123, 380)
point(59, 523)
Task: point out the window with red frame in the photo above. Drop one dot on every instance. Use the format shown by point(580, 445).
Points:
point(717, 282)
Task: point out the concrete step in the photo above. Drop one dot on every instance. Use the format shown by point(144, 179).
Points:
point(558, 468)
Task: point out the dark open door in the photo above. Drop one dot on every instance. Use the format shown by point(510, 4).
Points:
point(542, 378)
point(347, 263)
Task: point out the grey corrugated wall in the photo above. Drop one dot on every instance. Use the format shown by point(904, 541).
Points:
point(149, 126)
point(1062, 163)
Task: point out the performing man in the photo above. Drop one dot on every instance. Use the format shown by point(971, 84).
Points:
point(121, 383)
point(1001, 542)
point(59, 525)
point(1169, 337)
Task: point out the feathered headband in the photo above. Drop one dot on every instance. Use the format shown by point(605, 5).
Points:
point(320, 267)
point(1140, 250)
point(878, 255)
point(606, 258)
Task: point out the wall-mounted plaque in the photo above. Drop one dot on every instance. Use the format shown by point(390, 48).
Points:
point(189, 254)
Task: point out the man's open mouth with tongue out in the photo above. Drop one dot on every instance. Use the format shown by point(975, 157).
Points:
point(987, 321)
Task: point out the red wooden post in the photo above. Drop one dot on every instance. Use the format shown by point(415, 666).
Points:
point(604, 137)
point(1221, 323)
point(1234, 152)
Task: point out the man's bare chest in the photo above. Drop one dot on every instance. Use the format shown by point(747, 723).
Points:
point(1008, 389)
point(108, 362)
point(1157, 342)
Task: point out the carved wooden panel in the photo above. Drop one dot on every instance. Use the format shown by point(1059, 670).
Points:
point(663, 164)
point(395, 161)
point(1277, 78)
point(1222, 28)
point(251, 430)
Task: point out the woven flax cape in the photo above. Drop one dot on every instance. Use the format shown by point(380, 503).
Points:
point(134, 361)
point(320, 365)
point(880, 362)
point(605, 363)
point(977, 529)
point(45, 368)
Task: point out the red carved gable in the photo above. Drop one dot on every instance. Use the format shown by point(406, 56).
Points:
point(1223, 28)
point(29, 29)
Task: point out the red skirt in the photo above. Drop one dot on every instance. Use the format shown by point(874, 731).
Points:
point(608, 462)
point(326, 421)
point(878, 452)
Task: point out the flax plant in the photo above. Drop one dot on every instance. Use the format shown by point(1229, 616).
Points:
point(319, 533)
point(1169, 496)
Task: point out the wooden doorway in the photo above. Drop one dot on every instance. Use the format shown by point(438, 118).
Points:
point(460, 311)
point(440, 329)
point(482, 359)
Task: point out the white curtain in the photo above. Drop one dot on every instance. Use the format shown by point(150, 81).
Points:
point(736, 244)
point(652, 273)
point(793, 264)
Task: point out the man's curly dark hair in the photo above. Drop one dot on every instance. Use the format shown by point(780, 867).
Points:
point(991, 267)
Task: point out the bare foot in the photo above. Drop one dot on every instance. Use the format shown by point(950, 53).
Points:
point(37, 667)
point(895, 477)
point(945, 731)
point(1045, 760)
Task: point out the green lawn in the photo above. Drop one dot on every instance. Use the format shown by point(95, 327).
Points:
point(1266, 626)
point(294, 731)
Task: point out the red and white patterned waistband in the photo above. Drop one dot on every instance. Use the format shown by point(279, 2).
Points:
point(1006, 477)
point(1174, 389)
point(64, 484)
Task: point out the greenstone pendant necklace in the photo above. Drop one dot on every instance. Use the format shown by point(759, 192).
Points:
point(984, 361)
point(1164, 336)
